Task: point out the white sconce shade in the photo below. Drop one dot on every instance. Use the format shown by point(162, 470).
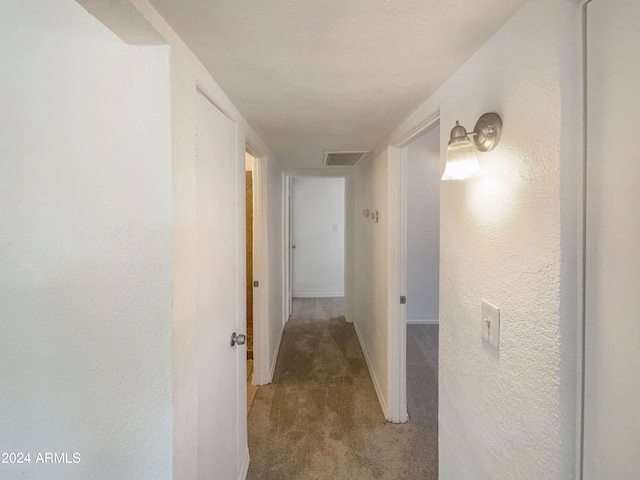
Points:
point(462, 161)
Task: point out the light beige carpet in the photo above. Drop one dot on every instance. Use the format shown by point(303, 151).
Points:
point(320, 418)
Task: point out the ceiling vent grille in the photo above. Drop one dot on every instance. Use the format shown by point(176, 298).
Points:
point(342, 159)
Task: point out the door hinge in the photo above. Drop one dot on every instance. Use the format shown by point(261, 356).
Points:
point(256, 283)
point(403, 300)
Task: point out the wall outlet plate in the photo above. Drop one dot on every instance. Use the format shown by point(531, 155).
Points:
point(490, 324)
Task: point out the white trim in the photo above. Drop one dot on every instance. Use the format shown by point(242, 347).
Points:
point(241, 284)
point(418, 130)
point(286, 249)
point(396, 312)
point(199, 90)
point(348, 173)
point(372, 374)
point(286, 253)
point(319, 295)
point(261, 327)
point(349, 247)
point(582, 260)
point(251, 150)
point(426, 321)
point(244, 468)
point(397, 269)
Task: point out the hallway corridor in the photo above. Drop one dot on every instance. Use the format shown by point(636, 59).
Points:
point(320, 418)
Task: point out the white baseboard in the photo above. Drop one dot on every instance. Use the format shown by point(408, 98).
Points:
point(245, 466)
point(374, 378)
point(318, 295)
point(428, 321)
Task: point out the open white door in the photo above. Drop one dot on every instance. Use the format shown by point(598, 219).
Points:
point(219, 364)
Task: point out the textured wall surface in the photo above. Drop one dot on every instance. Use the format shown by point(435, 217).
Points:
point(85, 268)
point(612, 363)
point(512, 413)
point(275, 219)
point(187, 73)
point(423, 227)
point(351, 215)
point(317, 207)
point(371, 265)
point(509, 237)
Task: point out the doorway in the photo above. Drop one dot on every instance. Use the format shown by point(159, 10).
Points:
point(250, 202)
point(317, 242)
point(423, 143)
point(423, 229)
point(422, 286)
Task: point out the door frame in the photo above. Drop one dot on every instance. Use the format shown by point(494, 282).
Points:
point(397, 268)
point(286, 250)
point(348, 173)
point(261, 370)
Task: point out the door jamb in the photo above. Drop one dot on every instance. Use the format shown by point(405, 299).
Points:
point(397, 268)
point(288, 294)
point(349, 218)
point(260, 270)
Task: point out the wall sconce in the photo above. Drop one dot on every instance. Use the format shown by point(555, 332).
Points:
point(462, 161)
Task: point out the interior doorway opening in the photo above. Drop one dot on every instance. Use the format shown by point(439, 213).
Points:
point(423, 144)
point(249, 159)
point(422, 285)
point(423, 229)
point(317, 241)
point(250, 203)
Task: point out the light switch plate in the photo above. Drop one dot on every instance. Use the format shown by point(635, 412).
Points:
point(490, 324)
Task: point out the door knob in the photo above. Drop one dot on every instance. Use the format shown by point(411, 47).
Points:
point(239, 339)
point(293, 246)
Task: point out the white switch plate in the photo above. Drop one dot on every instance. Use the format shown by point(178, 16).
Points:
point(490, 324)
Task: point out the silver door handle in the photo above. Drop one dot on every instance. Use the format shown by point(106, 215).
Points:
point(239, 339)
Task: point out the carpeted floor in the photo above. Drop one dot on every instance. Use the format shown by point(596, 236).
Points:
point(320, 418)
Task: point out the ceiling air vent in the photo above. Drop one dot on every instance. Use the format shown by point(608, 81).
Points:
point(342, 159)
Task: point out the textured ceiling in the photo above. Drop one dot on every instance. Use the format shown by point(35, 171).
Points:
point(314, 75)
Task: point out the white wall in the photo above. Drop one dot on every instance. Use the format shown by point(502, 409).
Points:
point(275, 225)
point(423, 227)
point(371, 264)
point(511, 238)
point(85, 269)
point(268, 266)
point(95, 72)
point(612, 363)
point(351, 217)
point(187, 73)
point(318, 225)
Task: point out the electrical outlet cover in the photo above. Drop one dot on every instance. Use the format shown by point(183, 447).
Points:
point(490, 324)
